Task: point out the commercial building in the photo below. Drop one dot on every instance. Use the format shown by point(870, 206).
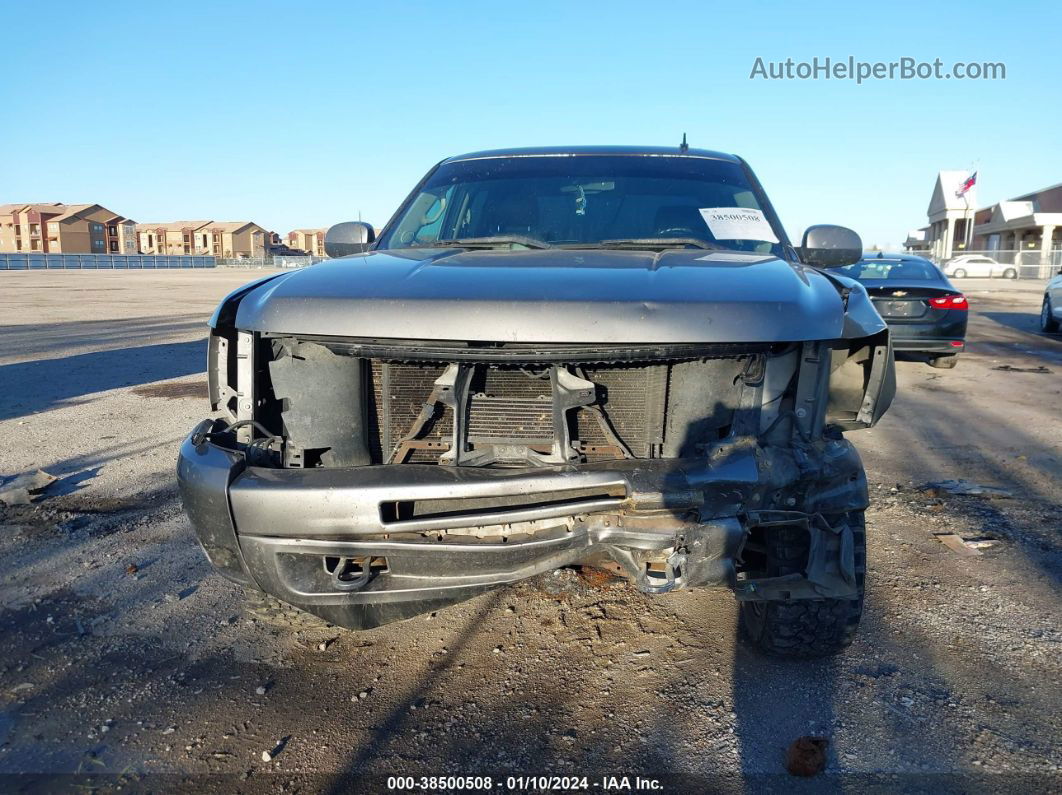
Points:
point(1025, 231)
point(950, 214)
point(1030, 225)
point(58, 228)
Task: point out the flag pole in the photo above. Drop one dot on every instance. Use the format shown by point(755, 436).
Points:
point(966, 231)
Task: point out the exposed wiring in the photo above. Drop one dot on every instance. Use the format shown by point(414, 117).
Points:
point(784, 416)
point(243, 424)
point(256, 448)
point(260, 448)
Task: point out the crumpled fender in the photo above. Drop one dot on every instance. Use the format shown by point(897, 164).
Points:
point(861, 319)
point(225, 314)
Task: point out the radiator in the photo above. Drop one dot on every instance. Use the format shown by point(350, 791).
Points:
point(515, 405)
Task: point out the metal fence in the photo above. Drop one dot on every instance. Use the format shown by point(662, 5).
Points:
point(1029, 263)
point(23, 261)
point(267, 262)
point(30, 261)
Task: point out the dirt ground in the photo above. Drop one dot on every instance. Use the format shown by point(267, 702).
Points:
point(125, 658)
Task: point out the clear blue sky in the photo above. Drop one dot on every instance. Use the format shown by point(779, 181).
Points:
point(303, 114)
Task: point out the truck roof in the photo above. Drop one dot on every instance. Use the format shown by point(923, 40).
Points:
point(560, 151)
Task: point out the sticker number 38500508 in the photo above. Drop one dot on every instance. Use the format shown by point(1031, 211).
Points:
point(738, 223)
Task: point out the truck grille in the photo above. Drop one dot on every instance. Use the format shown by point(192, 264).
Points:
point(349, 402)
point(512, 404)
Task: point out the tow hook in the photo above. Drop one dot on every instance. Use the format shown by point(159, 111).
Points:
point(344, 579)
point(674, 574)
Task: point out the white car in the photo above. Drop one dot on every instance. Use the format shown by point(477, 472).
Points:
point(1051, 312)
point(977, 265)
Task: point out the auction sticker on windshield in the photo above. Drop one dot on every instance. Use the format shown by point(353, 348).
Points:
point(737, 223)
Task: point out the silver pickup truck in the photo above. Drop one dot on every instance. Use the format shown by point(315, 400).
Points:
point(604, 357)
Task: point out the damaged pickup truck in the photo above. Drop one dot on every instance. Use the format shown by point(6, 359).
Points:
point(569, 357)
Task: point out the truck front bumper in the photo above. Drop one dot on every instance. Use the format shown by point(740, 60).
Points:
point(363, 546)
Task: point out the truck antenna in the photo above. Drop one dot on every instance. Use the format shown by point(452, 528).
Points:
point(684, 147)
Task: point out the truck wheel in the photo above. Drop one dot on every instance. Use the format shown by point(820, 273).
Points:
point(945, 362)
point(805, 628)
point(1048, 323)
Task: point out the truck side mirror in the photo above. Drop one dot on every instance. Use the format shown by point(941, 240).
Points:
point(829, 246)
point(350, 237)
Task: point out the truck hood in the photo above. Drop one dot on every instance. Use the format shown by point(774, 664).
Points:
point(559, 295)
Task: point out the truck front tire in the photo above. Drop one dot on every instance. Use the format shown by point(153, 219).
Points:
point(805, 628)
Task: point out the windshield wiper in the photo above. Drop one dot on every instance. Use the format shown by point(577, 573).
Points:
point(501, 240)
point(650, 242)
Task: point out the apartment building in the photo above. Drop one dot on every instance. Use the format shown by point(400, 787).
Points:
point(57, 228)
point(309, 240)
point(174, 237)
point(212, 238)
point(238, 239)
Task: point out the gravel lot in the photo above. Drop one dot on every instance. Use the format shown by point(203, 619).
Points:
point(123, 655)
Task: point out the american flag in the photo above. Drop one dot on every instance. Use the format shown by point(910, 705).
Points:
point(967, 184)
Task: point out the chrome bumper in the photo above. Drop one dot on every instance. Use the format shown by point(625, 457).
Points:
point(667, 523)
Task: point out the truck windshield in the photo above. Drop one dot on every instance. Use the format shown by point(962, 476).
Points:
point(587, 201)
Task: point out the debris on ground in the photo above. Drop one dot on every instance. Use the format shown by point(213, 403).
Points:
point(806, 756)
point(595, 577)
point(962, 487)
point(269, 756)
point(194, 389)
point(1007, 368)
point(956, 544)
point(17, 490)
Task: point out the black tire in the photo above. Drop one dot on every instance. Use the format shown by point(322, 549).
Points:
point(805, 628)
point(946, 361)
point(1010, 273)
point(1048, 324)
point(959, 273)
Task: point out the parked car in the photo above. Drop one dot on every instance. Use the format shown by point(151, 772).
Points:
point(598, 357)
point(1051, 311)
point(976, 265)
point(926, 314)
